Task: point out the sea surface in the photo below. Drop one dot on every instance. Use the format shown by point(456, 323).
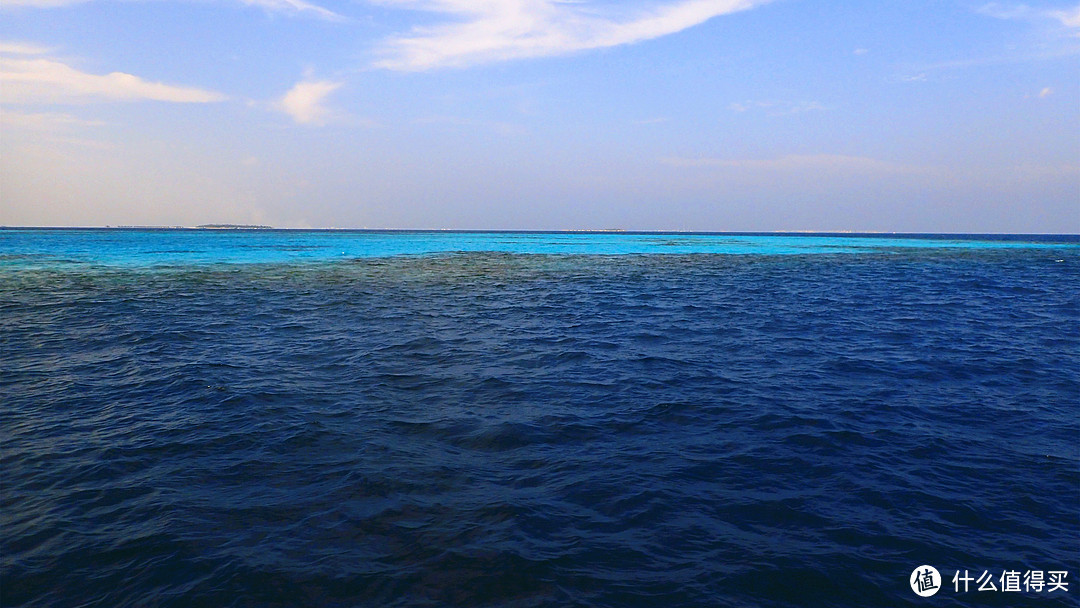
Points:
point(202, 418)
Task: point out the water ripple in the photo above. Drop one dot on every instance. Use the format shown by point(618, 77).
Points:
point(526, 430)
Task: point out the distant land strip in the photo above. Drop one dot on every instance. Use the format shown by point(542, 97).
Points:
point(233, 227)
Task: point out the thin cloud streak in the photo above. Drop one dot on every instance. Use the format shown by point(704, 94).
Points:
point(275, 6)
point(1060, 31)
point(500, 30)
point(1069, 18)
point(44, 121)
point(775, 108)
point(811, 162)
point(43, 80)
point(295, 7)
point(506, 129)
point(39, 3)
point(20, 48)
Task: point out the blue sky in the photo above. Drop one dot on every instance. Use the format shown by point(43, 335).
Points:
point(937, 116)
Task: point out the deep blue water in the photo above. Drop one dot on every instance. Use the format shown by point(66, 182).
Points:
point(195, 418)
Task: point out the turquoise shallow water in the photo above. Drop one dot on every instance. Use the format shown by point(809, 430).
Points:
point(133, 248)
point(278, 418)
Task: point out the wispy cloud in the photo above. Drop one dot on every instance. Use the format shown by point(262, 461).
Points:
point(1069, 17)
point(836, 163)
point(45, 80)
point(1035, 172)
point(38, 3)
point(52, 133)
point(305, 102)
point(1057, 30)
point(296, 7)
point(777, 108)
point(499, 30)
point(506, 129)
point(1011, 11)
point(44, 121)
point(20, 48)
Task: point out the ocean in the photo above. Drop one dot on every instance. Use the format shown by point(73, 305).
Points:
point(233, 418)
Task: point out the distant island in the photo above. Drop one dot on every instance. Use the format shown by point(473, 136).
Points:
point(233, 227)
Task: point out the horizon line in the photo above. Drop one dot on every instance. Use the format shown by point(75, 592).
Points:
point(265, 228)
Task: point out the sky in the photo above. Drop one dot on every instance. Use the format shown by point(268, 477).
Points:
point(707, 115)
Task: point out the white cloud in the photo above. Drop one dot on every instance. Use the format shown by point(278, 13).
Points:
point(498, 30)
point(1046, 92)
point(304, 102)
point(43, 80)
